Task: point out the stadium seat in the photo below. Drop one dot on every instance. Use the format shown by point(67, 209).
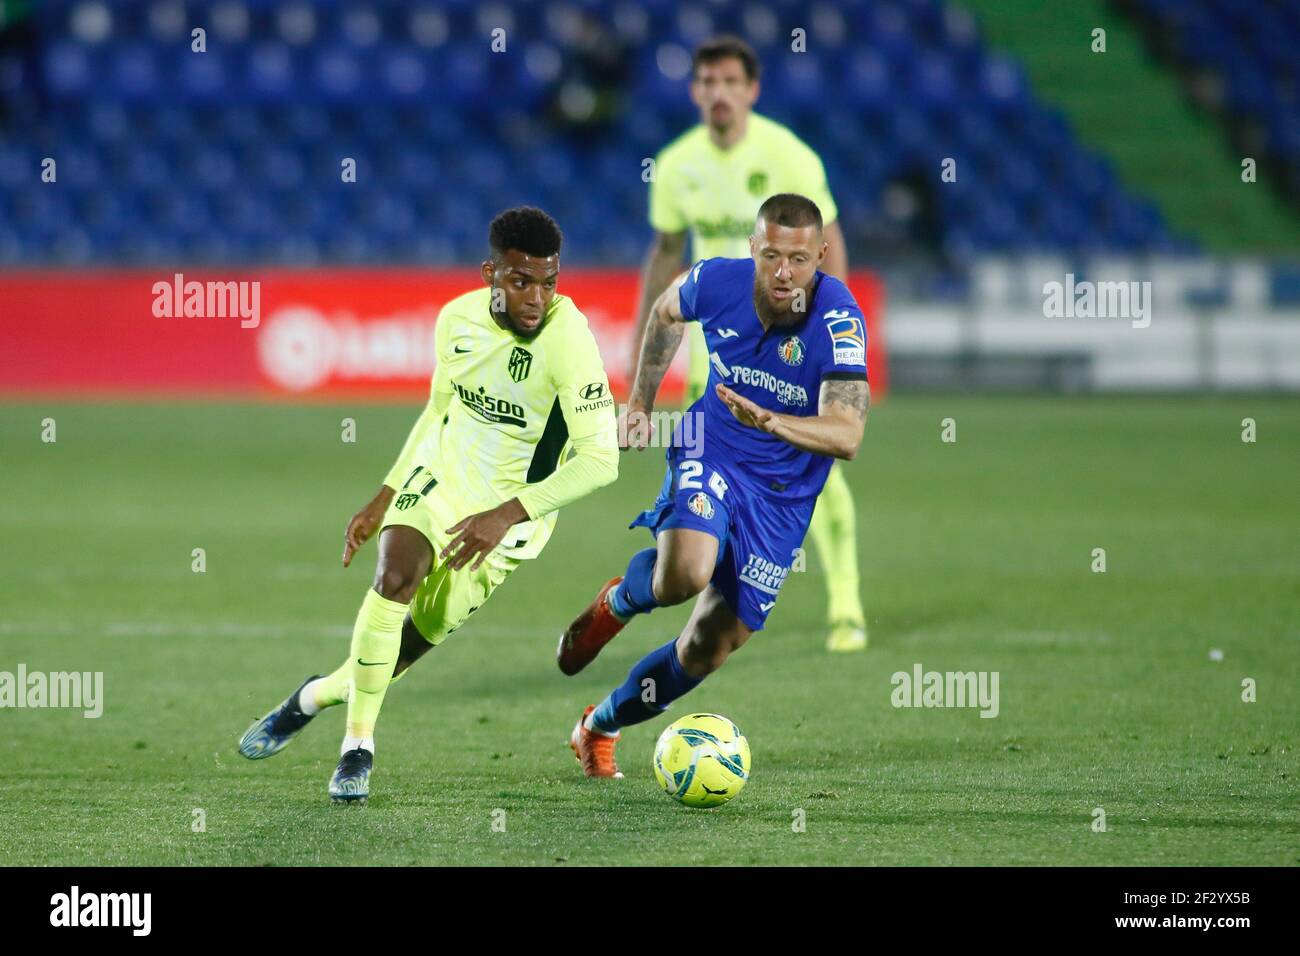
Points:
point(235, 153)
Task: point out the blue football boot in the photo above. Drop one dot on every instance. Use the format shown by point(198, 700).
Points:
point(351, 780)
point(273, 732)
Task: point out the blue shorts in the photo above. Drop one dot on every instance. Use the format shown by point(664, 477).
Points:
point(757, 535)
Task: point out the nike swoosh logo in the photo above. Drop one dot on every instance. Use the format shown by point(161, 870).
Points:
point(460, 350)
point(727, 333)
point(371, 663)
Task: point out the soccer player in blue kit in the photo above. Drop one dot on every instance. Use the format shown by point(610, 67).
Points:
point(787, 394)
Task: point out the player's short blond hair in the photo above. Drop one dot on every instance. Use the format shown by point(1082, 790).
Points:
point(790, 210)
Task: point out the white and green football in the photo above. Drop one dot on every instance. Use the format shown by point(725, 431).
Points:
point(702, 760)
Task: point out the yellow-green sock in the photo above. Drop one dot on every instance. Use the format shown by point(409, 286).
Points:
point(333, 689)
point(336, 688)
point(376, 641)
point(833, 530)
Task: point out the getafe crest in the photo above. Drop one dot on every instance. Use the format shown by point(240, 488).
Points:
point(791, 351)
point(700, 504)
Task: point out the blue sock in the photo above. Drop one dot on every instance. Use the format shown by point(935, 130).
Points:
point(635, 595)
point(626, 706)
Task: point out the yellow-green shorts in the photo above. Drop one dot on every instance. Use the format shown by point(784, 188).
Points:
point(445, 598)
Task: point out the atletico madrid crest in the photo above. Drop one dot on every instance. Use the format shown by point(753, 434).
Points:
point(521, 360)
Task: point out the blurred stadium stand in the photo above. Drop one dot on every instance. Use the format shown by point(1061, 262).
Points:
point(1240, 62)
point(234, 155)
point(231, 159)
point(1093, 59)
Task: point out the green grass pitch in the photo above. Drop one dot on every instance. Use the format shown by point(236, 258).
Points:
point(976, 555)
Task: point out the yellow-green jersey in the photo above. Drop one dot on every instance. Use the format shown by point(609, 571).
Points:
point(531, 418)
point(715, 194)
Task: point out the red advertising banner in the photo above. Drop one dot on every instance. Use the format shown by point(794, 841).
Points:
point(283, 333)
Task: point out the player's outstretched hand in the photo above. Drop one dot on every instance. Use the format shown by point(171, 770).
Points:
point(480, 533)
point(364, 523)
point(748, 413)
point(635, 430)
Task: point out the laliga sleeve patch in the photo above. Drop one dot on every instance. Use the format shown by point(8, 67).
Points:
point(848, 340)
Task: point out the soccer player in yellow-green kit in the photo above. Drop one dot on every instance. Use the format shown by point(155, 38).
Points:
point(519, 423)
point(709, 183)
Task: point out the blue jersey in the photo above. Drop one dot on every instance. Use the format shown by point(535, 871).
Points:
point(781, 369)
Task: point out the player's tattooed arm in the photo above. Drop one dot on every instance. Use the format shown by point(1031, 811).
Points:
point(842, 415)
point(836, 430)
point(663, 335)
point(848, 398)
point(661, 265)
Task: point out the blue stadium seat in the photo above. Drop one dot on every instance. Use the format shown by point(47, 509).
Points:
point(234, 154)
point(1251, 48)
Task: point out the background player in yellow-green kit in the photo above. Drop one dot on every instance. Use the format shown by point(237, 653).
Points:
point(709, 184)
point(520, 422)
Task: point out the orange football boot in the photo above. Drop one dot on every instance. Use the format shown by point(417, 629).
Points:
point(591, 630)
point(594, 750)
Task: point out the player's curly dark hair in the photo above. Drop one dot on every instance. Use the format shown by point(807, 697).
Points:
point(525, 229)
point(790, 209)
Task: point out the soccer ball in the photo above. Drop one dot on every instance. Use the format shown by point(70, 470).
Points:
point(702, 760)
